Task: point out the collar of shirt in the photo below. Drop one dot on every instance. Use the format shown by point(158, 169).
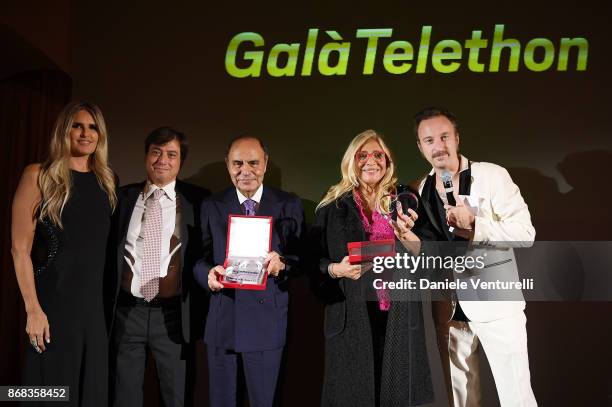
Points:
point(168, 189)
point(463, 165)
point(256, 197)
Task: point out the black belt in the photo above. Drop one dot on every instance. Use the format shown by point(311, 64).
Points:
point(127, 299)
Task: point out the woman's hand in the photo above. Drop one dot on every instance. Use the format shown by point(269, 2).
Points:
point(404, 223)
point(403, 229)
point(37, 328)
point(346, 269)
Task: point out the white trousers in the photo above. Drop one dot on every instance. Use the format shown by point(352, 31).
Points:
point(505, 343)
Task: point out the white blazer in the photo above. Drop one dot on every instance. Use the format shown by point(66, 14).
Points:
point(502, 222)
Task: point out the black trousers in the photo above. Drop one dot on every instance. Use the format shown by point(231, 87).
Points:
point(139, 326)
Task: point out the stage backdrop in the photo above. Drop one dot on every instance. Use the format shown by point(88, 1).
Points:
point(529, 82)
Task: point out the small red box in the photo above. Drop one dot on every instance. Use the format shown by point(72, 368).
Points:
point(249, 240)
point(360, 252)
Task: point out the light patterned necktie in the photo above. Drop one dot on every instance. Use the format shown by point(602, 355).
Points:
point(149, 278)
point(249, 205)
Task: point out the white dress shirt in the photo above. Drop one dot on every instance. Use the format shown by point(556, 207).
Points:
point(134, 243)
point(256, 197)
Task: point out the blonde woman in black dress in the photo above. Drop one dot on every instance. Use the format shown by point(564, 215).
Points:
point(61, 220)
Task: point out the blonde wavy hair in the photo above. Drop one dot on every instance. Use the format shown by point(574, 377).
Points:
point(350, 176)
point(55, 179)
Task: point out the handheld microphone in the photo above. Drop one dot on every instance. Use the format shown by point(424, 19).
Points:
point(447, 182)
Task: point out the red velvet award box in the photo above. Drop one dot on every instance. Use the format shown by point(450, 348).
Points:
point(249, 240)
point(360, 252)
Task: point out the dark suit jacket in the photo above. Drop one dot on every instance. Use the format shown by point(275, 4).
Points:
point(443, 310)
point(245, 320)
point(190, 198)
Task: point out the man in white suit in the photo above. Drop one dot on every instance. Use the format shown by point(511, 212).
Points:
point(489, 213)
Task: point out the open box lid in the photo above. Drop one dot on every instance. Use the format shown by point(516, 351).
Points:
point(368, 250)
point(248, 236)
point(372, 248)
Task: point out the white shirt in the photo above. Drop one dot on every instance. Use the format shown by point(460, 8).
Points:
point(256, 197)
point(134, 243)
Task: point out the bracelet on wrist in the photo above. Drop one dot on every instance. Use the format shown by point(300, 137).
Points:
point(330, 271)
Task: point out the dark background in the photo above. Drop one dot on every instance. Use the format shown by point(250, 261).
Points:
point(149, 65)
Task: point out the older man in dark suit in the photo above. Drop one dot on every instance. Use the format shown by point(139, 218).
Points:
point(242, 325)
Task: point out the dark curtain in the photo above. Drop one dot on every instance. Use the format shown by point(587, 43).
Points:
point(29, 105)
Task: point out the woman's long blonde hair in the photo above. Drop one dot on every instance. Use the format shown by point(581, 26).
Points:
point(55, 179)
point(350, 178)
